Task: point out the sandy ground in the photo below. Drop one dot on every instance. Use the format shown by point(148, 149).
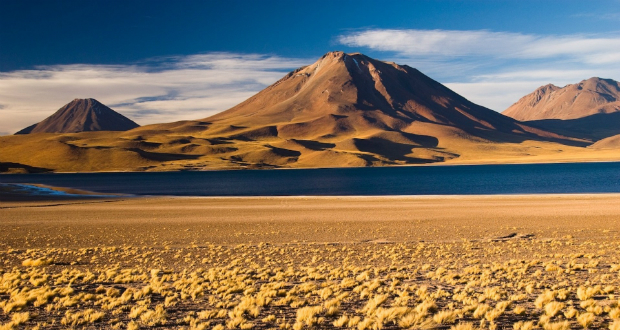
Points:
point(545, 262)
point(227, 221)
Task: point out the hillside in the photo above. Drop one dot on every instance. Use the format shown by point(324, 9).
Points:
point(343, 110)
point(589, 110)
point(82, 115)
point(612, 142)
point(588, 97)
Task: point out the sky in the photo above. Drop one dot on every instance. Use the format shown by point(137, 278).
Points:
point(162, 61)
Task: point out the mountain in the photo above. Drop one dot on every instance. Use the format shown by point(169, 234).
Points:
point(82, 115)
point(587, 110)
point(343, 110)
point(589, 97)
point(344, 94)
point(612, 142)
point(352, 110)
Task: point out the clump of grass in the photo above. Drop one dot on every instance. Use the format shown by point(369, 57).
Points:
point(586, 320)
point(445, 317)
point(562, 325)
point(37, 262)
point(80, 318)
point(307, 316)
point(464, 326)
point(552, 308)
point(615, 325)
point(585, 293)
point(360, 286)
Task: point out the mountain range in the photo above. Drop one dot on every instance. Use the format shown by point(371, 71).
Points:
point(342, 110)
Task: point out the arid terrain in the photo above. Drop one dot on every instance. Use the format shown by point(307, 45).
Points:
point(489, 262)
point(588, 110)
point(344, 110)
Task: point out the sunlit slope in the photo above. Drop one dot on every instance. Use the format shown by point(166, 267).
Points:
point(586, 98)
point(588, 110)
point(343, 110)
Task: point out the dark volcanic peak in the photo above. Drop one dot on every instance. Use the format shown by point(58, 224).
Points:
point(586, 98)
point(81, 115)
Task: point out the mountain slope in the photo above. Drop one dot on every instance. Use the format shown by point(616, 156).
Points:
point(589, 110)
point(344, 110)
point(352, 110)
point(612, 142)
point(82, 115)
point(589, 97)
point(343, 93)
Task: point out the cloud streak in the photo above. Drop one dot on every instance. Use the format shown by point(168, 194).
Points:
point(495, 68)
point(502, 45)
point(157, 90)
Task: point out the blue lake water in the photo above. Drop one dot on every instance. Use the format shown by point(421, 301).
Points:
point(415, 180)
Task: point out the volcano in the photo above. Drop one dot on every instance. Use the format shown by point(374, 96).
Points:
point(350, 94)
point(82, 115)
point(353, 109)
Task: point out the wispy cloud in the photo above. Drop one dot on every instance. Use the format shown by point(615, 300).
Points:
point(495, 68)
point(599, 16)
point(156, 90)
point(503, 45)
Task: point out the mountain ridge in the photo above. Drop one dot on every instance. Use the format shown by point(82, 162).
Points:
point(586, 98)
point(588, 110)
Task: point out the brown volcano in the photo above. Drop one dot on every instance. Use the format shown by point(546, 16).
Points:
point(587, 110)
point(343, 110)
point(82, 115)
point(346, 94)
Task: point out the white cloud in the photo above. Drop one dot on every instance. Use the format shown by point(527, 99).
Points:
point(448, 43)
point(495, 69)
point(495, 95)
point(157, 90)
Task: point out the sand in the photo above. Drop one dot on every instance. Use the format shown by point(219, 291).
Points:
point(280, 220)
point(316, 262)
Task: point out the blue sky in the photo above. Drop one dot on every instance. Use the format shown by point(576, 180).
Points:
point(158, 61)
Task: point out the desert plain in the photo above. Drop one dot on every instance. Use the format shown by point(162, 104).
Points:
point(399, 262)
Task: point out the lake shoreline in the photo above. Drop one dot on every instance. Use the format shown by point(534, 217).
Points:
point(285, 220)
point(437, 164)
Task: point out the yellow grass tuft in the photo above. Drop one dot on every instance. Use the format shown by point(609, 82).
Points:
point(552, 308)
point(586, 319)
point(37, 262)
point(464, 326)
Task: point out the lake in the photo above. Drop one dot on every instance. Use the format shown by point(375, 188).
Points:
point(415, 180)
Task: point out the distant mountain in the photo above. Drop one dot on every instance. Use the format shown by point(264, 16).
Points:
point(587, 110)
point(82, 115)
point(589, 97)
